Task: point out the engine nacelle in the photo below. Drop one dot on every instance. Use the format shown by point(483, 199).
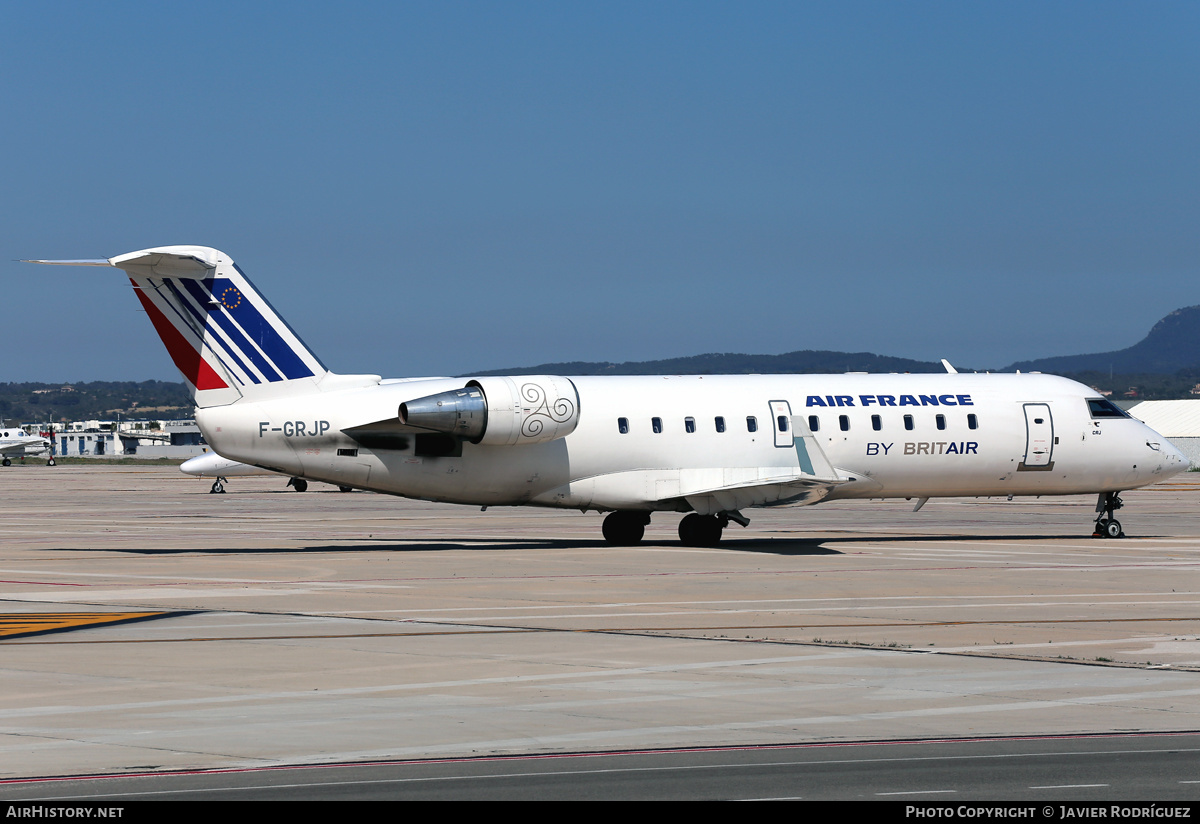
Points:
point(500, 411)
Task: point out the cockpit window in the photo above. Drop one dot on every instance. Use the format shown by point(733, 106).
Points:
point(1102, 408)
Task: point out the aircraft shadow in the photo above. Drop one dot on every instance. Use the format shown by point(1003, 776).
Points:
point(790, 546)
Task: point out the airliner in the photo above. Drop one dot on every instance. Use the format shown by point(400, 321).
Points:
point(707, 447)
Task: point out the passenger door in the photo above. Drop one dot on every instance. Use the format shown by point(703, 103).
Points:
point(781, 423)
point(1039, 437)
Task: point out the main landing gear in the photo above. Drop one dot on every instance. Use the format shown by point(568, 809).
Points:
point(1106, 525)
point(705, 530)
point(298, 484)
point(625, 527)
point(702, 530)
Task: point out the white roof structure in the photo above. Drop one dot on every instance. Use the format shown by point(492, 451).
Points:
point(1171, 419)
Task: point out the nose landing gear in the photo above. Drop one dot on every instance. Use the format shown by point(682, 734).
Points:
point(1106, 525)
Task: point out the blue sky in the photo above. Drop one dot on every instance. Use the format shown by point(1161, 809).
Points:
point(433, 188)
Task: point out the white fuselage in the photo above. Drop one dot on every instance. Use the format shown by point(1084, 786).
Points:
point(1000, 435)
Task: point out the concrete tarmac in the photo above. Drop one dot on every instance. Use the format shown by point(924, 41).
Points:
point(293, 628)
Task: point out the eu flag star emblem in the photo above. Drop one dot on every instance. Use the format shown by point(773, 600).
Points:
point(231, 298)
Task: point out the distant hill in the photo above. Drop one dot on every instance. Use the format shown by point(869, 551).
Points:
point(94, 400)
point(1165, 364)
point(1172, 345)
point(804, 362)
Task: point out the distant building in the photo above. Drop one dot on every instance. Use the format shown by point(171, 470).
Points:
point(1177, 421)
point(180, 439)
point(115, 439)
point(88, 444)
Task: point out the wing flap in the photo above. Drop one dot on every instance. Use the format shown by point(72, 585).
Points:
point(796, 491)
point(728, 489)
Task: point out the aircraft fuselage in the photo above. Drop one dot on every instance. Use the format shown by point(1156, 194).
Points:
point(644, 442)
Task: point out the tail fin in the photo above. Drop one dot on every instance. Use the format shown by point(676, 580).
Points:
point(224, 337)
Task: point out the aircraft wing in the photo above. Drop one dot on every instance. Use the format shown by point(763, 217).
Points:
point(25, 446)
point(808, 481)
point(713, 490)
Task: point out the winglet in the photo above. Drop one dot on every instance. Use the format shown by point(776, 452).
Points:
point(950, 369)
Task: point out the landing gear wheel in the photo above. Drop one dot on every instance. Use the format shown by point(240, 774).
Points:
point(689, 530)
point(1113, 529)
point(345, 489)
point(625, 528)
point(7, 462)
point(298, 484)
point(51, 462)
point(701, 530)
point(218, 488)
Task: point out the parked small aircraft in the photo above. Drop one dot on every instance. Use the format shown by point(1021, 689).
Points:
point(212, 465)
point(17, 443)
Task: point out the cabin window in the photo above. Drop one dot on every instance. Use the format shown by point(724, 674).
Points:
point(814, 423)
point(623, 425)
point(689, 425)
point(782, 422)
point(751, 423)
point(908, 422)
point(876, 423)
point(720, 422)
point(972, 421)
point(941, 421)
point(844, 422)
point(656, 425)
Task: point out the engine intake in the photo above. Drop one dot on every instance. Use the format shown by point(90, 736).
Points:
point(499, 411)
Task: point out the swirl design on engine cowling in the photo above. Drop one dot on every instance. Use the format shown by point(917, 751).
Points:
point(543, 411)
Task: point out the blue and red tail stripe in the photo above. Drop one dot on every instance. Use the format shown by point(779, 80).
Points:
point(186, 356)
point(235, 331)
point(257, 335)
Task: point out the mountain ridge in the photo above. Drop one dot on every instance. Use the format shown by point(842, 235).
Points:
point(1172, 346)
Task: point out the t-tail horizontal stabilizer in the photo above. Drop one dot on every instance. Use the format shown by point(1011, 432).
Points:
point(224, 337)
